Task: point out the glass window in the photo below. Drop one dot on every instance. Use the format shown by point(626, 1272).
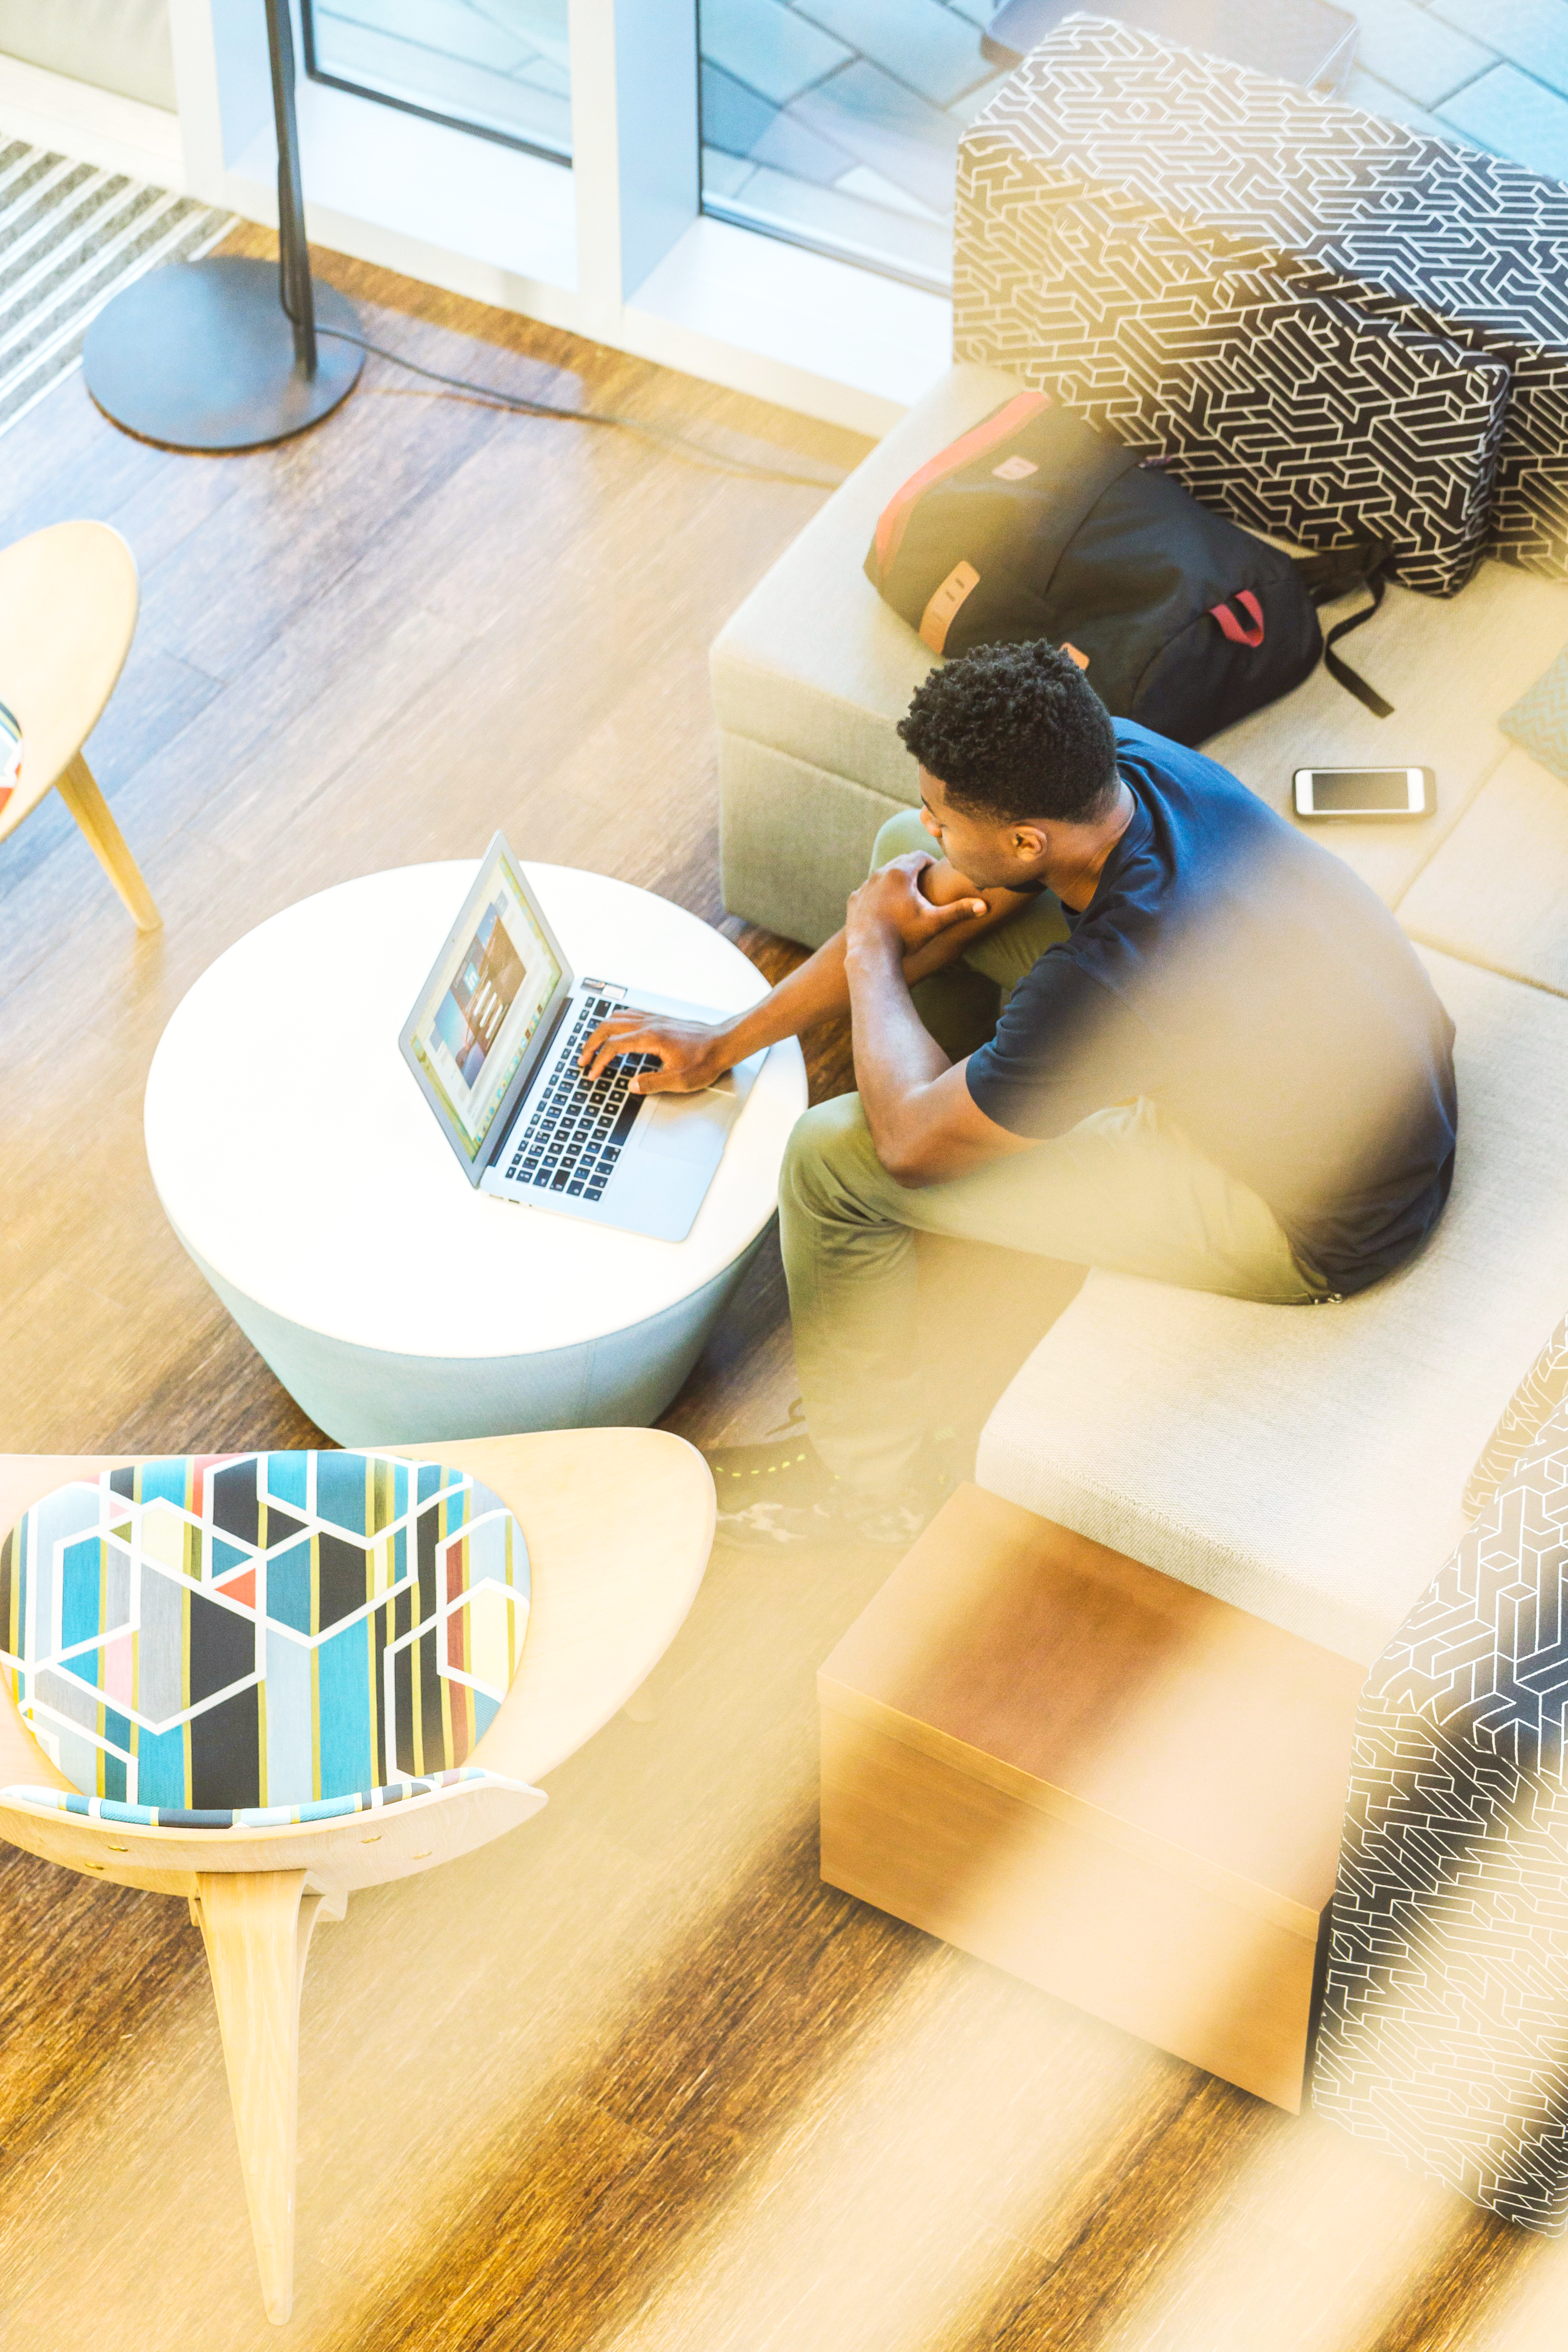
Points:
point(836, 124)
point(498, 67)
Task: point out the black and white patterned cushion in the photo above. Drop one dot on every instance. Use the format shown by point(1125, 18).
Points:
point(1445, 2023)
point(1543, 1388)
point(1201, 261)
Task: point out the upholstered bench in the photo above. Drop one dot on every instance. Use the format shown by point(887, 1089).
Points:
point(1303, 1467)
point(1299, 1471)
point(1306, 1465)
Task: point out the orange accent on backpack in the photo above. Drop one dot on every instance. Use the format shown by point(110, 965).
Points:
point(938, 617)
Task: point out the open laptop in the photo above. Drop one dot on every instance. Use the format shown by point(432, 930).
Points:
point(493, 1041)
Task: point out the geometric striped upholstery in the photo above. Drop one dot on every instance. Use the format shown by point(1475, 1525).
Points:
point(249, 1639)
point(243, 1816)
point(1537, 1396)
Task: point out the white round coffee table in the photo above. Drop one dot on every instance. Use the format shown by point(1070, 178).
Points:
point(301, 1169)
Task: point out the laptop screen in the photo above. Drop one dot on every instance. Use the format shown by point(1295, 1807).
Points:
point(482, 1005)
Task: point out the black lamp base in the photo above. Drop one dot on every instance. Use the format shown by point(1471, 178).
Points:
point(200, 355)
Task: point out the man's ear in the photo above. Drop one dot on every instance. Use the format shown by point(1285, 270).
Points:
point(1029, 842)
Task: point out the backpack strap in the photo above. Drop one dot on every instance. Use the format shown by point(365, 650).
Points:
point(1249, 632)
point(1338, 572)
point(1333, 571)
point(1342, 672)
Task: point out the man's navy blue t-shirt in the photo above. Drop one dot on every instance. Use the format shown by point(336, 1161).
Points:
point(1241, 977)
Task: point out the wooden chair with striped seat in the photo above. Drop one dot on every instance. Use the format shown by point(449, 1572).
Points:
point(597, 1538)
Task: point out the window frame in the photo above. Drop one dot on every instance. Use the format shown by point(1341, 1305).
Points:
point(612, 245)
point(318, 73)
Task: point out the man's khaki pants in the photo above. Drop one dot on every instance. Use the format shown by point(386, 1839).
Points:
point(1124, 1187)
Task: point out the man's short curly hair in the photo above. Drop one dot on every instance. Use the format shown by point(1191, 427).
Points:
point(1015, 732)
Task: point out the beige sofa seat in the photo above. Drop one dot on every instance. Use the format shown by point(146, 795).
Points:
point(1497, 890)
point(1307, 1463)
point(1449, 668)
point(812, 673)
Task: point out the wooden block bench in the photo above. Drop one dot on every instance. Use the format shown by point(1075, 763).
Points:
point(1120, 1788)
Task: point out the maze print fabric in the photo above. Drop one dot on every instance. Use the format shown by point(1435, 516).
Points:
point(1444, 2026)
point(229, 1634)
point(1326, 322)
point(1538, 1395)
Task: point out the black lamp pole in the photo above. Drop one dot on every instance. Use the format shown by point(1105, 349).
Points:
point(293, 253)
point(225, 354)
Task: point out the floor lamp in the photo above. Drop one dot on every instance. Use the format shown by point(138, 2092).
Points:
point(225, 354)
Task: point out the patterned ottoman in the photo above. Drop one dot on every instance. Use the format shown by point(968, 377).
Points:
point(217, 1641)
point(1325, 321)
point(1445, 2023)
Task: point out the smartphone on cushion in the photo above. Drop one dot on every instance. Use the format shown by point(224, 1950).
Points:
point(1365, 791)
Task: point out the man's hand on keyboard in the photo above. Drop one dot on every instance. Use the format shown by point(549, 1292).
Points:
point(690, 1053)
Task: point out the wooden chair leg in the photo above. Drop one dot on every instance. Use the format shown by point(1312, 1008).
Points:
point(77, 787)
point(257, 1927)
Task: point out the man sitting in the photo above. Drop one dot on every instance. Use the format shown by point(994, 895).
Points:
point(1218, 1062)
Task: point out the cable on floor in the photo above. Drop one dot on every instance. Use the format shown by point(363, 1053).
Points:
point(518, 402)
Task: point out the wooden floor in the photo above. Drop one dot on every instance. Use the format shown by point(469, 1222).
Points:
point(632, 2078)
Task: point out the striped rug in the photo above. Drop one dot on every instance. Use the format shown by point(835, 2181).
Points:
point(71, 238)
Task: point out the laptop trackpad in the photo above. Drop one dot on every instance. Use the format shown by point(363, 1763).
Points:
point(686, 1127)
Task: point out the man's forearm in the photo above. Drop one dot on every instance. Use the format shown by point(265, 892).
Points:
point(895, 1054)
point(820, 988)
point(812, 992)
point(924, 935)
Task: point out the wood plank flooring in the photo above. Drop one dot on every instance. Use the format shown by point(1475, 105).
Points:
point(632, 2078)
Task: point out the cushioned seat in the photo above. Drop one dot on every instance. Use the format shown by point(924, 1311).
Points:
point(1497, 890)
point(1308, 1464)
point(811, 674)
point(208, 1642)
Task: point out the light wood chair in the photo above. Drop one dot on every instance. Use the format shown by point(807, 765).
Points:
point(69, 599)
point(619, 1523)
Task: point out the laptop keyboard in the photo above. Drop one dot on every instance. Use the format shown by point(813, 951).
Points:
point(575, 1127)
